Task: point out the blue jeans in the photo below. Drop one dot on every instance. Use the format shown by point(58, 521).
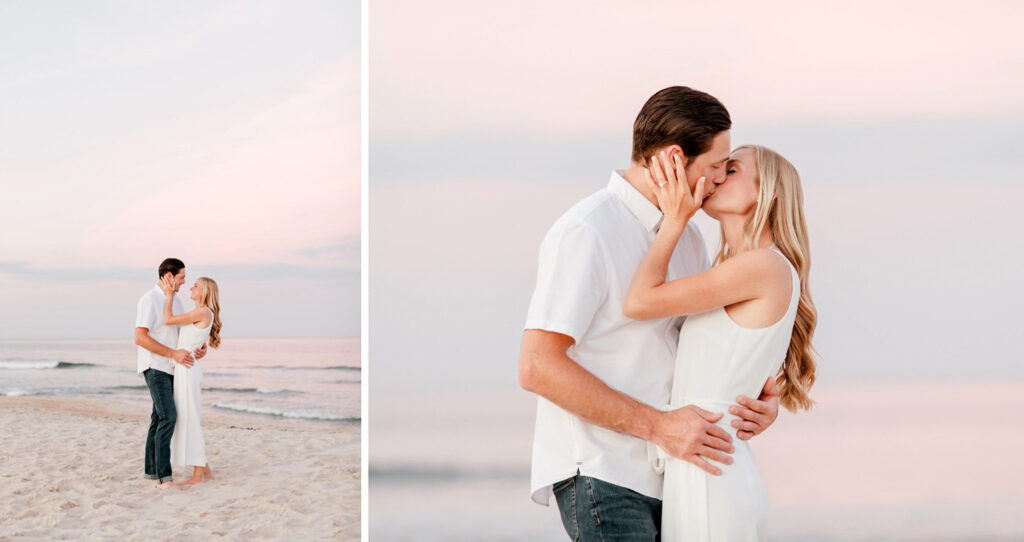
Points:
point(595, 510)
point(161, 425)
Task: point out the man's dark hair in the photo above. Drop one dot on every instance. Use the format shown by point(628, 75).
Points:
point(170, 265)
point(678, 116)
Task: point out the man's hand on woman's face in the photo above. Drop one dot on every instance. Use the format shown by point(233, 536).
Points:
point(756, 414)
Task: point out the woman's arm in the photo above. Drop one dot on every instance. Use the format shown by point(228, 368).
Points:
point(737, 279)
point(733, 281)
point(190, 317)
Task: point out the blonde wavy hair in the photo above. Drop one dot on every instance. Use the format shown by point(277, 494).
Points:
point(211, 298)
point(780, 209)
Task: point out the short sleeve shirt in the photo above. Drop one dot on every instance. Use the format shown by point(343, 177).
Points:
point(149, 313)
point(586, 263)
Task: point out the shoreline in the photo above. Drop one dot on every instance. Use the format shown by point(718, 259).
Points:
point(72, 468)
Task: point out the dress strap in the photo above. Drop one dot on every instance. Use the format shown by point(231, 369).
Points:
point(779, 252)
point(795, 296)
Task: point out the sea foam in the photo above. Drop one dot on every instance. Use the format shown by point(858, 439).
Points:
point(270, 411)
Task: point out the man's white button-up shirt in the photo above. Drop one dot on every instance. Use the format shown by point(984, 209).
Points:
point(150, 314)
point(587, 260)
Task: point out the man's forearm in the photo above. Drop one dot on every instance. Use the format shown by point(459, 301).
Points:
point(151, 344)
point(565, 383)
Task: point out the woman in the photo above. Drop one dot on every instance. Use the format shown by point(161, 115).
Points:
point(187, 445)
point(752, 317)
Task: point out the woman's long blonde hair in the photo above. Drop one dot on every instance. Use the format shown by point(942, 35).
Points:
point(211, 298)
point(780, 208)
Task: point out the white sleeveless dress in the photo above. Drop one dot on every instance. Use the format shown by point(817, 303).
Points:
point(187, 445)
point(717, 361)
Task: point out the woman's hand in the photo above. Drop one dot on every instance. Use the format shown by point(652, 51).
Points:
point(166, 286)
point(667, 179)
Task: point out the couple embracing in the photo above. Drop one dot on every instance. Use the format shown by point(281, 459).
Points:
point(170, 342)
point(653, 366)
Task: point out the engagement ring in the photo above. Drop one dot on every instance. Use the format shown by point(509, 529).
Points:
point(662, 185)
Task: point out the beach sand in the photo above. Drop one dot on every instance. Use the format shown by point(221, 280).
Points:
point(72, 469)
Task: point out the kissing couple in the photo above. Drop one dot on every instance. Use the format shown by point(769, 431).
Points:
point(171, 341)
point(647, 358)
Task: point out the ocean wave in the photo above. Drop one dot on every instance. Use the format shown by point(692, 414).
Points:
point(253, 390)
point(40, 364)
point(269, 411)
point(445, 473)
point(71, 391)
point(308, 368)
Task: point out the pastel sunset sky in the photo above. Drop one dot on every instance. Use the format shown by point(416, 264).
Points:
point(225, 134)
point(904, 119)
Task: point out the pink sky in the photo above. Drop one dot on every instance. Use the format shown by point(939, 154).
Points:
point(571, 68)
point(254, 184)
point(227, 137)
point(903, 119)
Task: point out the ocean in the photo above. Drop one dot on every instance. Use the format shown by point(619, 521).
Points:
point(303, 378)
point(890, 459)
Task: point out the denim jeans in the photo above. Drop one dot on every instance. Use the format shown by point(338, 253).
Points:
point(595, 510)
point(161, 425)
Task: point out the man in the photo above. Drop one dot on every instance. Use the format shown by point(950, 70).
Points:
point(601, 376)
point(157, 356)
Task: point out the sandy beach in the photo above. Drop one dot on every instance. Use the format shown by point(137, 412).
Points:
point(72, 469)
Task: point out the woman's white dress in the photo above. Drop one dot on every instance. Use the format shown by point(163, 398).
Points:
point(717, 361)
point(187, 445)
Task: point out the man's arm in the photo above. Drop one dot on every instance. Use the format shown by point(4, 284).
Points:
point(142, 338)
point(687, 433)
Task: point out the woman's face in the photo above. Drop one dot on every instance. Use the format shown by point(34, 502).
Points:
point(196, 291)
point(738, 193)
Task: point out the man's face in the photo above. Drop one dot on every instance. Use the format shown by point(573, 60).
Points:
point(178, 280)
point(710, 165)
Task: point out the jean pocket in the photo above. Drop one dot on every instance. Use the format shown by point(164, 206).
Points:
point(559, 486)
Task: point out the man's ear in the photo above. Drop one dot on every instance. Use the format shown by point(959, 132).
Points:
point(671, 150)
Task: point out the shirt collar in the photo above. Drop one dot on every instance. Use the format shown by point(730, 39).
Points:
point(641, 207)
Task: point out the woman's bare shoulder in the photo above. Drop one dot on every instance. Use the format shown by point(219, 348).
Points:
point(763, 263)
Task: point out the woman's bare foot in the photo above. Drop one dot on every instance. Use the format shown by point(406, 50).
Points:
point(198, 476)
point(209, 472)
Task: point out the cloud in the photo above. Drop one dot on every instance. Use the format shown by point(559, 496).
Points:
point(835, 152)
point(345, 246)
